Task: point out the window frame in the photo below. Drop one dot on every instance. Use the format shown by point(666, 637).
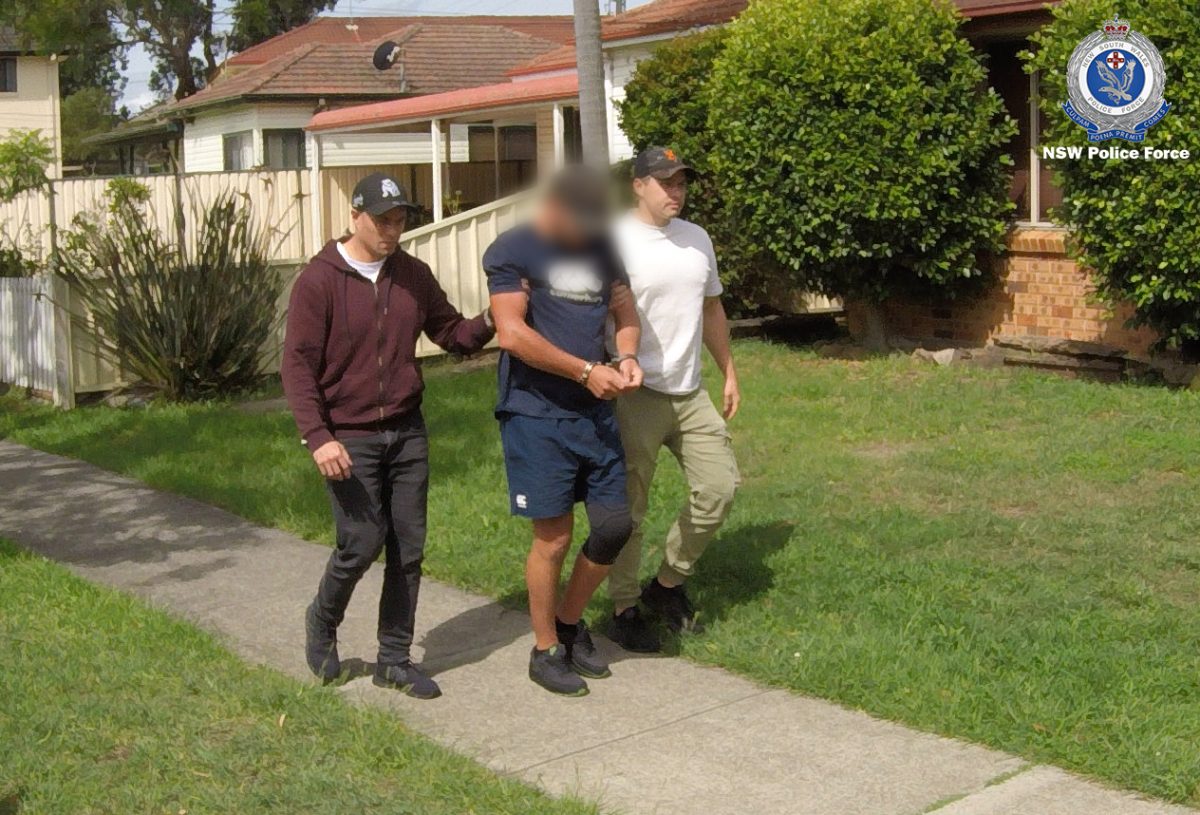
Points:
point(282, 132)
point(9, 83)
point(226, 138)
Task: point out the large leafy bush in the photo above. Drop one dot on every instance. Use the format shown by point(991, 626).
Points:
point(861, 146)
point(188, 320)
point(1134, 222)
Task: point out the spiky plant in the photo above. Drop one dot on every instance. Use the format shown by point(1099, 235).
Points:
point(191, 321)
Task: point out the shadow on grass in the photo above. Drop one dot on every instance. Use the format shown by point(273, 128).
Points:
point(734, 570)
point(732, 573)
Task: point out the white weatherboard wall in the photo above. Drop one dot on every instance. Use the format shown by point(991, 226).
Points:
point(620, 63)
point(371, 149)
point(35, 104)
point(203, 138)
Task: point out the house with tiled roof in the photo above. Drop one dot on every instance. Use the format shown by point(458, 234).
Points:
point(29, 97)
point(252, 114)
point(1043, 293)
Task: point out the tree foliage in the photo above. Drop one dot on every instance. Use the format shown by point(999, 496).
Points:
point(257, 20)
point(1134, 222)
point(24, 158)
point(860, 146)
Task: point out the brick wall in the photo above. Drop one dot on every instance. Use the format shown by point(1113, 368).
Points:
point(1041, 293)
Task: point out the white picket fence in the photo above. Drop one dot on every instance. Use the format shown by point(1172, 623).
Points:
point(35, 338)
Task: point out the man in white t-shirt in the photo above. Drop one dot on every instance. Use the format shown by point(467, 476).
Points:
point(673, 277)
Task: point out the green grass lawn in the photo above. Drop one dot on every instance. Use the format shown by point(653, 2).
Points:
point(112, 707)
point(998, 555)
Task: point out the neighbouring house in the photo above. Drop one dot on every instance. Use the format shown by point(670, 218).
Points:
point(29, 98)
point(252, 114)
point(1042, 292)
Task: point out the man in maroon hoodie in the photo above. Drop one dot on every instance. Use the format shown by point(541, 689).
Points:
point(353, 383)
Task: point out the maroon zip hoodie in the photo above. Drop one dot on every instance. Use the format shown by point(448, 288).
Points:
point(349, 363)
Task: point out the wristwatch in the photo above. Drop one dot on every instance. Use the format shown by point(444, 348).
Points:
point(624, 357)
point(587, 371)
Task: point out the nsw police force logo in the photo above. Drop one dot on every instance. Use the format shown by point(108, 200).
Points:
point(1115, 84)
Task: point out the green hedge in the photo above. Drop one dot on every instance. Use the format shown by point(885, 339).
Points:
point(860, 145)
point(1134, 222)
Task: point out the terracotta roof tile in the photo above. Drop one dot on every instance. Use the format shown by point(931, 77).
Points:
point(437, 58)
point(501, 95)
point(667, 16)
point(556, 29)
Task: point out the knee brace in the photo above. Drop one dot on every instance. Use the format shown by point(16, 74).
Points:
point(611, 528)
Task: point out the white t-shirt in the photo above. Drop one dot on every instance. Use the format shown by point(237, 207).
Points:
point(369, 269)
point(671, 270)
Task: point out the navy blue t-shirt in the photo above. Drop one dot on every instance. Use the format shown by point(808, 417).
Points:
point(569, 292)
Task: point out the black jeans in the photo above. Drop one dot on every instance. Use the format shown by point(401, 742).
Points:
point(381, 508)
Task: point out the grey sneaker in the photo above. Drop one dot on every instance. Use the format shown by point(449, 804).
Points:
point(582, 653)
point(320, 646)
point(552, 670)
point(406, 678)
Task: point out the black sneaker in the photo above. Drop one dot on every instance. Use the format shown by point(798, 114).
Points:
point(582, 651)
point(406, 678)
point(552, 670)
point(633, 632)
point(673, 606)
point(320, 646)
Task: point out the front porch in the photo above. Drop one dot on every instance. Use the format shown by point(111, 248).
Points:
point(454, 151)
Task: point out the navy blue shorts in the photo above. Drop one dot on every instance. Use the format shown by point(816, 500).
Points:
point(554, 463)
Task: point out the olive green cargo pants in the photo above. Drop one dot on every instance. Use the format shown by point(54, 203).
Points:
point(692, 429)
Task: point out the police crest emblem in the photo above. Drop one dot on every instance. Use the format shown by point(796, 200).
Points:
point(1115, 83)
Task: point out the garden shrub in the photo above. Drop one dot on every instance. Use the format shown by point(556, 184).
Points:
point(861, 146)
point(190, 321)
point(1133, 222)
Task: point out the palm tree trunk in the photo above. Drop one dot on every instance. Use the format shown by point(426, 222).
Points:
point(593, 114)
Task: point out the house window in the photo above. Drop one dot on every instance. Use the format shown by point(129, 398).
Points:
point(239, 151)
point(284, 149)
point(1033, 188)
point(8, 74)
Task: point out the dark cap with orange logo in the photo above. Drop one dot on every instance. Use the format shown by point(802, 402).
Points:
point(660, 162)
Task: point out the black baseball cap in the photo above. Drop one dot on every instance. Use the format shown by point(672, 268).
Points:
point(660, 162)
point(379, 193)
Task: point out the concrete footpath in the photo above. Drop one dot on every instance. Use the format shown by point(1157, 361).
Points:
point(661, 736)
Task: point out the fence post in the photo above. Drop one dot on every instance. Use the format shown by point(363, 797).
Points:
point(64, 362)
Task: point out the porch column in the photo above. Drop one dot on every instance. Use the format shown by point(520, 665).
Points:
point(496, 155)
point(316, 194)
point(560, 151)
point(435, 135)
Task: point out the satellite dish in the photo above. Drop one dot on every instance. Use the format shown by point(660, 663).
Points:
point(386, 55)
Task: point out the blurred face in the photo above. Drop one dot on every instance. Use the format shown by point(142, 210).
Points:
point(662, 199)
point(379, 235)
point(555, 221)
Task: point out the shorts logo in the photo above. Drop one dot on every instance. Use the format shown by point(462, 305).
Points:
point(521, 502)
point(1115, 83)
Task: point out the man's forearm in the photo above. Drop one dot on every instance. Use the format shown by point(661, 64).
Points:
point(533, 349)
point(716, 336)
